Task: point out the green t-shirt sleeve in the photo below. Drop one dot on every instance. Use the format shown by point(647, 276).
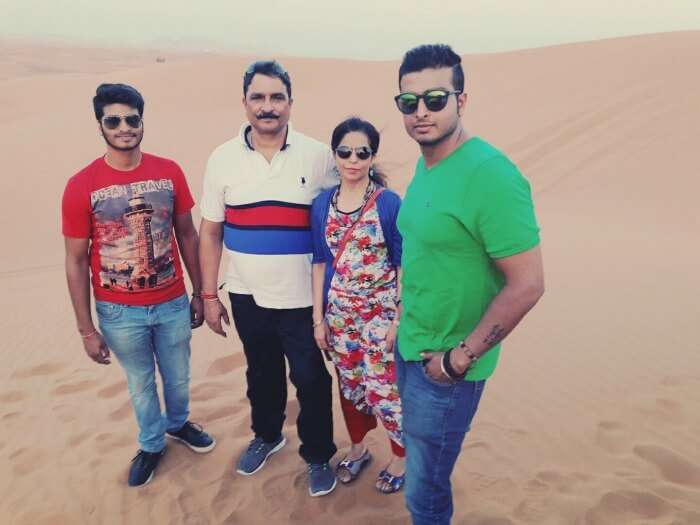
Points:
point(504, 215)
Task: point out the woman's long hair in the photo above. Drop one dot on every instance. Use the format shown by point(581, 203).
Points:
point(362, 126)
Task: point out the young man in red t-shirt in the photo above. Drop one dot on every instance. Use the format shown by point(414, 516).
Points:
point(119, 216)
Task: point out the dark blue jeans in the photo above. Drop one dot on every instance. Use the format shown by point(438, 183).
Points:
point(436, 417)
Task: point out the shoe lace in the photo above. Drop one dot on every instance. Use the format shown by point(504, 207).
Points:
point(256, 445)
point(195, 427)
point(318, 467)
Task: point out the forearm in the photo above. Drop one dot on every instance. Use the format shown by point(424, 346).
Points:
point(503, 314)
point(210, 247)
point(399, 305)
point(78, 278)
point(318, 273)
point(189, 248)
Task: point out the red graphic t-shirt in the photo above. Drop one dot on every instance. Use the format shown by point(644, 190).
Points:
point(128, 217)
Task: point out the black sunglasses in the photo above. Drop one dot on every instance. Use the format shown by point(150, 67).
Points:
point(113, 121)
point(363, 152)
point(434, 99)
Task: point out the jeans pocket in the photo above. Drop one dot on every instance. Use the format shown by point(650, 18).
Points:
point(178, 304)
point(108, 311)
point(430, 380)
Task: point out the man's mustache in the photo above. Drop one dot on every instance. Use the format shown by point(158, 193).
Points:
point(267, 115)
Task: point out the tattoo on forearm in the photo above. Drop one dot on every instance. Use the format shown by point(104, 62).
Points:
point(495, 336)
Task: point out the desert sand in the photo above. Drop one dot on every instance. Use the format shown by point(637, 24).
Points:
point(592, 415)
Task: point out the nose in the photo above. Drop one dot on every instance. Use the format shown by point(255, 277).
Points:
point(422, 109)
point(123, 126)
point(267, 104)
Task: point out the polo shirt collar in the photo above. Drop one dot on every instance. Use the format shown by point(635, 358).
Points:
point(289, 138)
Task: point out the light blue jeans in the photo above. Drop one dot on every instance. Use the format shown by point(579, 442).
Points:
point(436, 418)
point(140, 337)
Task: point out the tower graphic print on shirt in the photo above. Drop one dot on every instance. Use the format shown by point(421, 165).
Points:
point(133, 224)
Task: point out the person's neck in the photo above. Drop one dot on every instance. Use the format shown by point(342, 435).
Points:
point(123, 160)
point(355, 188)
point(433, 154)
point(268, 141)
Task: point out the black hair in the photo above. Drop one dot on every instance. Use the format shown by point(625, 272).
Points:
point(362, 126)
point(107, 94)
point(269, 68)
point(433, 56)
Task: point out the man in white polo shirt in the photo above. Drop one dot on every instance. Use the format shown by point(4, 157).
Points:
point(257, 195)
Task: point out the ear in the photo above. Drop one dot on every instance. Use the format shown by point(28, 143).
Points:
point(461, 103)
point(291, 101)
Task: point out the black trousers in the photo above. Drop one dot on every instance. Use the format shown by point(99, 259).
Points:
point(268, 335)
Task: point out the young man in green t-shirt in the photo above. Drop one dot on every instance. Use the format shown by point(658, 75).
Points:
point(472, 269)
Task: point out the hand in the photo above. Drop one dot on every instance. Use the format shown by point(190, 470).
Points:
point(433, 368)
point(214, 312)
point(322, 336)
point(391, 337)
point(196, 312)
point(96, 348)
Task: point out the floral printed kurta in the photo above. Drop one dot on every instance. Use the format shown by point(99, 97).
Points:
point(361, 307)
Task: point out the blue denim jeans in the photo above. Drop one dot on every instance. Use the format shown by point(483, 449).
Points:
point(140, 337)
point(436, 417)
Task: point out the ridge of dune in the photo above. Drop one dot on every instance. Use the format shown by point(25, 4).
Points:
point(591, 417)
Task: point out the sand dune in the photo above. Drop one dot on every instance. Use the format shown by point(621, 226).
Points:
point(592, 416)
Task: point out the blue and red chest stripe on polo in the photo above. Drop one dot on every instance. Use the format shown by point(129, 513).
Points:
point(268, 228)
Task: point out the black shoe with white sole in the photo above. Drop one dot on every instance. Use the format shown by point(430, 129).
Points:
point(193, 435)
point(143, 467)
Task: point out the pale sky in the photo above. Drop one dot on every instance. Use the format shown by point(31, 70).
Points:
point(364, 29)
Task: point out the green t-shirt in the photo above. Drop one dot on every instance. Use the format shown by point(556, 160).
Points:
point(470, 208)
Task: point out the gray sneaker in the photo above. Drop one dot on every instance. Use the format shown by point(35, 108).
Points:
point(322, 479)
point(255, 456)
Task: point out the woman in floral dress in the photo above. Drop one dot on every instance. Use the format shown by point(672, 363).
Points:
point(357, 254)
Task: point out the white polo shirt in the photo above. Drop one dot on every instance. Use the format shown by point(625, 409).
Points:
point(265, 209)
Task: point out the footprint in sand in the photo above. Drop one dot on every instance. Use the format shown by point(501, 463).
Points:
point(228, 498)
point(667, 411)
point(208, 391)
point(534, 510)
point(121, 413)
point(45, 369)
point(226, 364)
point(73, 388)
point(25, 461)
point(76, 440)
point(481, 483)
point(221, 413)
point(612, 436)
point(112, 390)
point(12, 396)
point(681, 380)
point(626, 506)
point(673, 467)
point(485, 520)
point(560, 482)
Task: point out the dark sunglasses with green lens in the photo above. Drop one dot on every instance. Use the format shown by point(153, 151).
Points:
point(434, 100)
point(363, 152)
point(113, 121)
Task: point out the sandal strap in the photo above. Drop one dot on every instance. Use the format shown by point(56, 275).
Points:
point(354, 466)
